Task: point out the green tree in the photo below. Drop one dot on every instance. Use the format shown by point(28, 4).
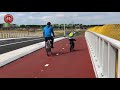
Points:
point(22, 26)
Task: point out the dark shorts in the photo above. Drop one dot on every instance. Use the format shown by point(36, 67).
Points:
point(48, 38)
point(71, 41)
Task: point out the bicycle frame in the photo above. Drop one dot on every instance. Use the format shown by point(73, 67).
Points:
point(48, 47)
point(71, 45)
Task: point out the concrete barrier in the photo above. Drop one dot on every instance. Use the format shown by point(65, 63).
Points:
point(16, 54)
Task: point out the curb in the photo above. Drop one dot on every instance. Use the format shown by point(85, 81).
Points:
point(16, 54)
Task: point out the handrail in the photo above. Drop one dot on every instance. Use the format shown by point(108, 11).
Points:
point(105, 54)
point(112, 41)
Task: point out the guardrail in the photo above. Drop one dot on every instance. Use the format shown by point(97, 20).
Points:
point(105, 55)
point(19, 34)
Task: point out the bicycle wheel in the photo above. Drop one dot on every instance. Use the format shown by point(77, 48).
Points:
point(48, 48)
point(71, 47)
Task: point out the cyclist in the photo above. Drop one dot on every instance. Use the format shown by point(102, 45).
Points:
point(48, 33)
point(71, 38)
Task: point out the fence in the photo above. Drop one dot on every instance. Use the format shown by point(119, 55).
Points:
point(104, 48)
point(19, 34)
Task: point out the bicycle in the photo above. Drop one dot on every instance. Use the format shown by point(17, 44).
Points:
point(72, 44)
point(48, 47)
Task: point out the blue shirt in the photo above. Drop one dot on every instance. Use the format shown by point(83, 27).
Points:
point(47, 31)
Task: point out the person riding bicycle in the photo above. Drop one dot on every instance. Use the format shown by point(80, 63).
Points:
point(48, 33)
point(71, 38)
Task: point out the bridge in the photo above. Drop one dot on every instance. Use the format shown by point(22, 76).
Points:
point(95, 56)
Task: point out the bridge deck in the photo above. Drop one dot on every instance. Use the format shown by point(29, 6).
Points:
point(62, 64)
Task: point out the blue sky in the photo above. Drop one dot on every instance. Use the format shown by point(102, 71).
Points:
point(40, 18)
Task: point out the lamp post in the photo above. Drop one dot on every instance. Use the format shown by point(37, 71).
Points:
point(64, 31)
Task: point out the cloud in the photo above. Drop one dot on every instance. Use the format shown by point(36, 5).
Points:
point(63, 17)
point(20, 14)
point(2, 15)
point(59, 16)
point(46, 18)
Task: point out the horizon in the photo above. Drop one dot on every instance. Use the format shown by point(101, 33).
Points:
point(45, 24)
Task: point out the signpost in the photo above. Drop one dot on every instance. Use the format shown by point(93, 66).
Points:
point(8, 18)
point(64, 31)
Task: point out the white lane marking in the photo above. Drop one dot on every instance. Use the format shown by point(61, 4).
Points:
point(16, 38)
point(46, 65)
point(17, 42)
point(41, 70)
point(57, 54)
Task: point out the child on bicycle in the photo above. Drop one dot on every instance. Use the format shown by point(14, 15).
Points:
point(72, 39)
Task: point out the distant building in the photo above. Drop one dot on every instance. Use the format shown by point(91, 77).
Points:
point(6, 25)
point(14, 25)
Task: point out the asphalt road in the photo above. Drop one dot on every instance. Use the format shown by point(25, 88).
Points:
point(13, 44)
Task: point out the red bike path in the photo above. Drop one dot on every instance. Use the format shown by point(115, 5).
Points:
point(61, 64)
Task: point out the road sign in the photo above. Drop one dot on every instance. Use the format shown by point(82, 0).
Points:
point(8, 18)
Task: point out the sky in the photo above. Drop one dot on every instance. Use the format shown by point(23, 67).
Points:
point(41, 18)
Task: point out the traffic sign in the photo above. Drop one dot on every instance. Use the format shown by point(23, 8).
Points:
point(8, 18)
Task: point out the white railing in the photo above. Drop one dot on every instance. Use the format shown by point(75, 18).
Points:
point(105, 55)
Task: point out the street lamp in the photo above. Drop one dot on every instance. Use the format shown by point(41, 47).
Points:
point(64, 31)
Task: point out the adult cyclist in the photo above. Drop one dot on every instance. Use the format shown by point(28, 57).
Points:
point(48, 33)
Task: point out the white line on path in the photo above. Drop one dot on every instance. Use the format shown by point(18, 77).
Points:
point(41, 70)
point(17, 42)
point(46, 65)
point(57, 54)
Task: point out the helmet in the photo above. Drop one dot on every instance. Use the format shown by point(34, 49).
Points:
point(48, 23)
point(71, 34)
